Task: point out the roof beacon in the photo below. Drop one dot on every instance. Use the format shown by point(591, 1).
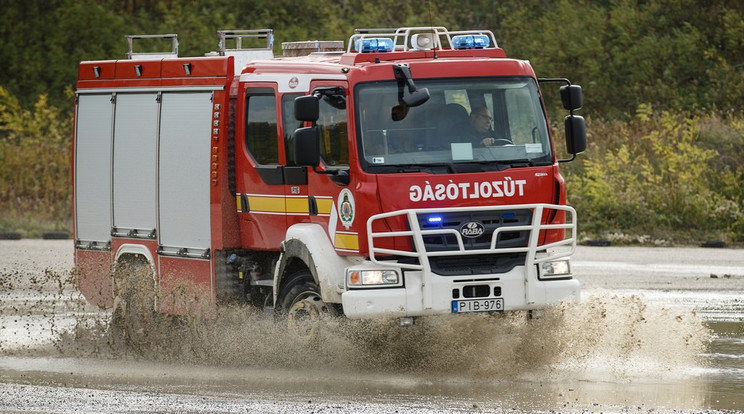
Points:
point(374, 44)
point(470, 42)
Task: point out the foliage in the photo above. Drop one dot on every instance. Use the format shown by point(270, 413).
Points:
point(35, 190)
point(663, 87)
point(676, 55)
point(662, 174)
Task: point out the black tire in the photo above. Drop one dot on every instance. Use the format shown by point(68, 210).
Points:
point(300, 301)
point(10, 235)
point(55, 235)
point(299, 285)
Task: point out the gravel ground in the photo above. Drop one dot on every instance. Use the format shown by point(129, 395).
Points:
point(658, 330)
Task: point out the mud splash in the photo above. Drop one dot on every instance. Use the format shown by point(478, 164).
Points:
point(605, 337)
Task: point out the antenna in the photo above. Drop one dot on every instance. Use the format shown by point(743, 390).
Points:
point(431, 24)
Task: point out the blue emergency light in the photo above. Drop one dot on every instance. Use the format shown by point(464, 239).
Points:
point(374, 44)
point(434, 219)
point(470, 42)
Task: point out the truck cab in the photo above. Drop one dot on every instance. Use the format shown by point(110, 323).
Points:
point(403, 209)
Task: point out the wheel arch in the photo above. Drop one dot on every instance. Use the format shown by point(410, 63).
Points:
point(130, 254)
point(295, 256)
point(308, 245)
point(131, 251)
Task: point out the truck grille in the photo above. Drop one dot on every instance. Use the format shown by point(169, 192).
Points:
point(491, 220)
point(475, 264)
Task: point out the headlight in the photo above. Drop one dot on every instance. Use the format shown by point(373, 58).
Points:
point(555, 270)
point(372, 278)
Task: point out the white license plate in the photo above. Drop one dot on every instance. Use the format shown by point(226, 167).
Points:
point(478, 305)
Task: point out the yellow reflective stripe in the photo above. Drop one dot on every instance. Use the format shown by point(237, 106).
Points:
point(297, 205)
point(279, 204)
point(270, 204)
point(346, 241)
point(324, 205)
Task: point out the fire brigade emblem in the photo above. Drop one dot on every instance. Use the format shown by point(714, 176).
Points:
point(346, 208)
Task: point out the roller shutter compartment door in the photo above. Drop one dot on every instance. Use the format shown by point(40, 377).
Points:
point(135, 146)
point(184, 168)
point(93, 169)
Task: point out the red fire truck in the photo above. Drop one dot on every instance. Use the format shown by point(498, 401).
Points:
point(349, 182)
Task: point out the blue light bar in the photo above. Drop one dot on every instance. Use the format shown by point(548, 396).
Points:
point(434, 219)
point(508, 215)
point(470, 42)
point(374, 44)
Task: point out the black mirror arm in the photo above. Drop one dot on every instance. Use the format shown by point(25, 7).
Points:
point(340, 176)
point(328, 91)
point(327, 172)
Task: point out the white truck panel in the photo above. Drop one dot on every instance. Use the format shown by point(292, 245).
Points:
point(184, 168)
point(135, 146)
point(92, 168)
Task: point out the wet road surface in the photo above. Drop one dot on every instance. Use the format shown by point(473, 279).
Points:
point(658, 330)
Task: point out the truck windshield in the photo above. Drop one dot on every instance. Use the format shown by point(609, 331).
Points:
point(473, 124)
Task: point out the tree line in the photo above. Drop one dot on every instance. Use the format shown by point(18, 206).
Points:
point(683, 55)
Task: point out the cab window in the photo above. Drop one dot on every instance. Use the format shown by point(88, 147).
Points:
point(332, 125)
point(289, 125)
point(261, 128)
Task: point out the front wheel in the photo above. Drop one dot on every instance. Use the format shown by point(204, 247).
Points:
point(300, 299)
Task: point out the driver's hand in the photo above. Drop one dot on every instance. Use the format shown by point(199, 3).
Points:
point(488, 141)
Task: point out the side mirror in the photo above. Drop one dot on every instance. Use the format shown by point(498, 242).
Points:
point(417, 98)
point(306, 144)
point(571, 96)
point(575, 134)
point(307, 108)
point(399, 112)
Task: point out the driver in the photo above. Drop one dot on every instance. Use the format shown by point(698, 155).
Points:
point(480, 124)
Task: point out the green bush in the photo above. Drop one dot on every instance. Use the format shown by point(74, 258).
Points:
point(663, 175)
point(35, 189)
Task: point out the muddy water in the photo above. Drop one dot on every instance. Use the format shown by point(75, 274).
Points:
point(658, 330)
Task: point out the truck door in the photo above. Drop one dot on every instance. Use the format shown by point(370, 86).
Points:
point(273, 193)
point(259, 169)
point(331, 201)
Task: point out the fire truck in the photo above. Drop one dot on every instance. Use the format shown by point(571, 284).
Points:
point(341, 181)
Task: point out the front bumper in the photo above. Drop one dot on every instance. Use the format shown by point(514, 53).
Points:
point(416, 298)
point(424, 292)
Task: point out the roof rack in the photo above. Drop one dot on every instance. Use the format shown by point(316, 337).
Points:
point(240, 35)
point(152, 55)
point(242, 54)
point(419, 38)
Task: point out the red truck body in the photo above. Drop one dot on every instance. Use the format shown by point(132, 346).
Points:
point(198, 168)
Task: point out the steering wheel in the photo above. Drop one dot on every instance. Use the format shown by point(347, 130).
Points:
point(502, 142)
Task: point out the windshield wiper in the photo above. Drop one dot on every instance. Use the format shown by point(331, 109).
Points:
point(434, 168)
point(499, 165)
point(455, 168)
point(524, 162)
